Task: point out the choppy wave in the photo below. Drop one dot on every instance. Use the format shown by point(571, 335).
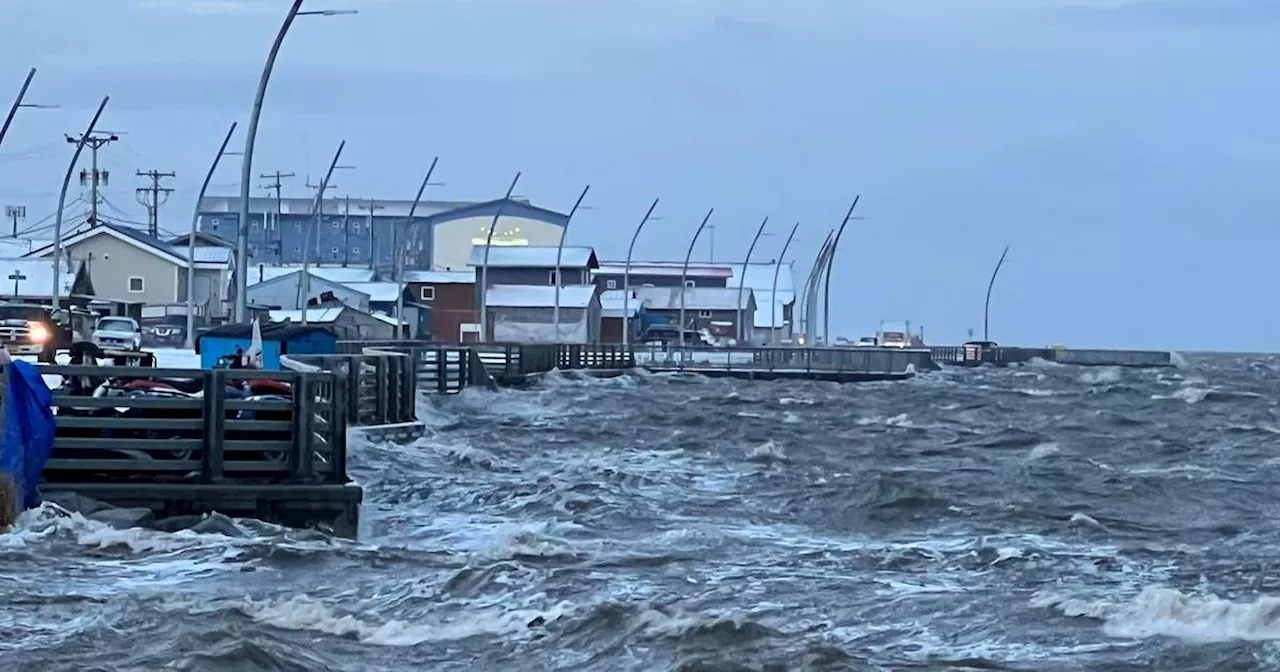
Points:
point(1041, 517)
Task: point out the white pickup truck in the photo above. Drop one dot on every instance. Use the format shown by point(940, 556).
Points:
point(117, 333)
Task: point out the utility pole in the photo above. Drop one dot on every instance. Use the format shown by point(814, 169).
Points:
point(152, 198)
point(317, 218)
point(274, 185)
point(15, 213)
point(370, 207)
point(94, 178)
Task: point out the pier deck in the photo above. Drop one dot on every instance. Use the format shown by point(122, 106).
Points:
point(451, 368)
point(975, 355)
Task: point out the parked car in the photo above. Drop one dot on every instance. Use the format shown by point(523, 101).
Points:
point(118, 333)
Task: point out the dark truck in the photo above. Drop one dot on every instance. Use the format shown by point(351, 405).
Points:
point(36, 329)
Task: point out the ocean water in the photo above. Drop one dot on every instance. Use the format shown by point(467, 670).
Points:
point(1035, 518)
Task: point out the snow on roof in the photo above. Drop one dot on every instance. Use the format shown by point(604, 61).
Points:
point(759, 279)
point(314, 315)
point(338, 274)
point(672, 268)
point(38, 280)
point(514, 256)
point(466, 277)
point(613, 303)
point(539, 296)
point(379, 292)
point(389, 319)
point(695, 298)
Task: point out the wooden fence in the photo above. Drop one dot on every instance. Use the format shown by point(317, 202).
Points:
point(219, 436)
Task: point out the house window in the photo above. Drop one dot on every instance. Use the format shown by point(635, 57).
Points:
point(704, 314)
point(297, 249)
point(333, 252)
point(690, 283)
point(337, 224)
point(611, 284)
point(136, 284)
point(551, 278)
point(427, 293)
point(213, 224)
point(355, 250)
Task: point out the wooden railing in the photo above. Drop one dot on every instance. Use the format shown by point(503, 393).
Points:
point(382, 386)
point(791, 360)
point(218, 436)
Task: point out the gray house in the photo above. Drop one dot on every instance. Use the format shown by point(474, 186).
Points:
point(130, 266)
point(610, 274)
point(286, 292)
point(527, 314)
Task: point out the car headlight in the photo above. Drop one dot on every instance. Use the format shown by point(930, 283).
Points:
point(39, 333)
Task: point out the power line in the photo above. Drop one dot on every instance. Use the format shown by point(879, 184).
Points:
point(153, 197)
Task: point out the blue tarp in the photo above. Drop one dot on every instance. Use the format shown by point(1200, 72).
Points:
point(28, 430)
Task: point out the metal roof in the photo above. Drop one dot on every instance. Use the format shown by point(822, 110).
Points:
point(466, 277)
point(519, 256)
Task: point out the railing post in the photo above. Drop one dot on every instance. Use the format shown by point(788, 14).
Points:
point(303, 438)
point(338, 427)
point(215, 422)
point(380, 389)
point(354, 372)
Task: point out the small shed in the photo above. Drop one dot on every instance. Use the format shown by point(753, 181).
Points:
point(277, 339)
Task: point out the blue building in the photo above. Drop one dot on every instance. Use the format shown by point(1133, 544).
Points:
point(367, 233)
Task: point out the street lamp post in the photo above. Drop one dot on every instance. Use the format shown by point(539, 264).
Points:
point(742, 281)
point(684, 272)
point(62, 201)
point(191, 239)
point(484, 267)
point(773, 292)
point(626, 276)
point(564, 233)
point(22, 93)
point(810, 289)
point(986, 308)
point(826, 281)
point(426, 182)
point(305, 280)
point(246, 165)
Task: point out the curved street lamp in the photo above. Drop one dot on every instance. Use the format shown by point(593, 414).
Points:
point(742, 281)
point(484, 267)
point(426, 182)
point(684, 272)
point(22, 93)
point(826, 281)
point(773, 292)
point(246, 165)
point(304, 282)
point(191, 239)
point(811, 288)
point(626, 276)
point(62, 201)
point(564, 233)
point(986, 308)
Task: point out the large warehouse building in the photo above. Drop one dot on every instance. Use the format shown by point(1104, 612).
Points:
point(354, 232)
